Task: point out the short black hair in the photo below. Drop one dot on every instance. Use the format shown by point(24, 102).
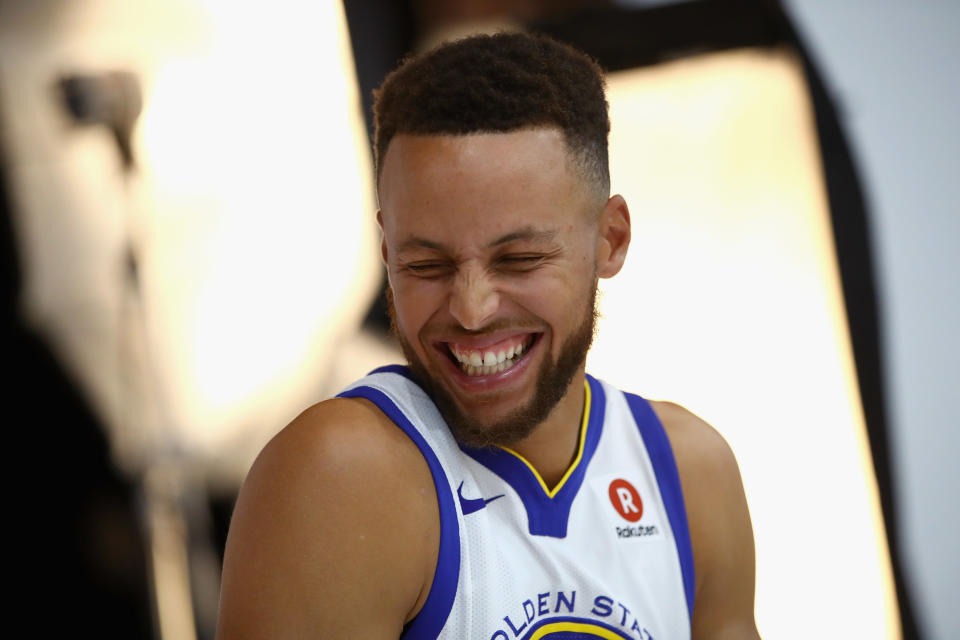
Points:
point(499, 83)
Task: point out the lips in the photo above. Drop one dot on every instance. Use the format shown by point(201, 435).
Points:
point(504, 368)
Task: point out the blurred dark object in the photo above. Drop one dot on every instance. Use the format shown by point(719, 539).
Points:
point(112, 99)
point(441, 14)
point(381, 32)
point(79, 560)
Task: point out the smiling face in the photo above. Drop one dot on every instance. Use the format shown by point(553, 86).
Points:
point(493, 245)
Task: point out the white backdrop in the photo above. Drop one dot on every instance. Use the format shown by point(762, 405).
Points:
point(891, 66)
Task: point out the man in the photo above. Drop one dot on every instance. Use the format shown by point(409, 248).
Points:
point(492, 489)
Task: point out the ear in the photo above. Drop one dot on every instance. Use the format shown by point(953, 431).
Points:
point(383, 238)
point(613, 239)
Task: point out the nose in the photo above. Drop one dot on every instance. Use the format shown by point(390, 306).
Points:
point(474, 298)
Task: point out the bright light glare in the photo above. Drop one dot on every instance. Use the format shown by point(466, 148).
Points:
point(730, 304)
point(262, 253)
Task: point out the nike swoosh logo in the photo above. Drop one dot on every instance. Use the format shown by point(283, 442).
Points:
point(471, 505)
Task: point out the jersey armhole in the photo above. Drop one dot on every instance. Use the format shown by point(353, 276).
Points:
point(428, 623)
point(668, 480)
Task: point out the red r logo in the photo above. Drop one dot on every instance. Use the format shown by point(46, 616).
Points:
point(626, 500)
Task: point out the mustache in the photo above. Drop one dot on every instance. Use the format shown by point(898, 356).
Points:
point(454, 330)
point(503, 324)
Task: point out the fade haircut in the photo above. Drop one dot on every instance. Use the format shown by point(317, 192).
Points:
point(496, 84)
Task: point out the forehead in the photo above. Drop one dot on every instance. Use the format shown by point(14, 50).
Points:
point(483, 183)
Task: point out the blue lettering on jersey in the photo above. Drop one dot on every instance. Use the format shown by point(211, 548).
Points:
point(604, 604)
point(528, 609)
point(535, 619)
point(562, 598)
point(542, 607)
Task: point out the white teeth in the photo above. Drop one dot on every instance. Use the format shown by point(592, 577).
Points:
point(477, 363)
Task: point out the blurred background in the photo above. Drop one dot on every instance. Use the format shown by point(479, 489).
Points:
point(190, 259)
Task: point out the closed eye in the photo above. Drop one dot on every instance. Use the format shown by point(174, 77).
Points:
point(428, 269)
point(521, 261)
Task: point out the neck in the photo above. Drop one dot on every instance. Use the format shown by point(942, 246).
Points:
point(553, 445)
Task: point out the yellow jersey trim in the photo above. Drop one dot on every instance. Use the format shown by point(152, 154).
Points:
point(576, 461)
point(586, 628)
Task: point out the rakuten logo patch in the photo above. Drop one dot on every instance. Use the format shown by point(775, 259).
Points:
point(626, 500)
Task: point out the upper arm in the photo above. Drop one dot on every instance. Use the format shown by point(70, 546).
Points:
point(328, 535)
point(720, 529)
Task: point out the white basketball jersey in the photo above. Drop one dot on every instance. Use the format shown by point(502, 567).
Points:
point(604, 554)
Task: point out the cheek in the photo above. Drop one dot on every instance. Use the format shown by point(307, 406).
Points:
point(562, 302)
point(553, 298)
point(414, 304)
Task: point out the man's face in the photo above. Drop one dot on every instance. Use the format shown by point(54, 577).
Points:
point(491, 245)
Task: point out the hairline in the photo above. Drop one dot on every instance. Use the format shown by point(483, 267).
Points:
point(578, 160)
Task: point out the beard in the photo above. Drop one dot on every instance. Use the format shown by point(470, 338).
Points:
point(552, 382)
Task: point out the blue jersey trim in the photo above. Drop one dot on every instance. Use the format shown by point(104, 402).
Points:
point(546, 516)
point(668, 479)
point(399, 369)
point(429, 622)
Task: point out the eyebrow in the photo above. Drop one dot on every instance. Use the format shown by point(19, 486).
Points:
point(526, 233)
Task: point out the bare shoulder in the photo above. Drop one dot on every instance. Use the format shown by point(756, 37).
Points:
point(332, 518)
point(701, 452)
point(720, 530)
point(351, 437)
